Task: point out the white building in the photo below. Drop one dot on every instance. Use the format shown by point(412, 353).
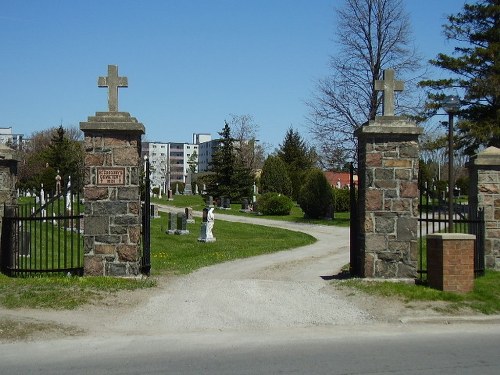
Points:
point(169, 162)
point(10, 139)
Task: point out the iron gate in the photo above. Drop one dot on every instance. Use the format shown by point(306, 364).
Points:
point(355, 255)
point(433, 218)
point(42, 237)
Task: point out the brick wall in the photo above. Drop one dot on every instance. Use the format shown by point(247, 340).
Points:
point(450, 262)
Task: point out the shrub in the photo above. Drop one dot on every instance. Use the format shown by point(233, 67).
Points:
point(316, 195)
point(275, 204)
point(274, 177)
point(341, 200)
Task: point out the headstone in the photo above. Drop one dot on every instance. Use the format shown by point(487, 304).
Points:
point(210, 202)
point(226, 203)
point(195, 189)
point(154, 212)
point(176, 189)
point(159, 191)
point(244, 204)
point(187, 187)
point(172, 223)
point(189, 215)
point(181, 224)
point(207, 225)
point(170, 195)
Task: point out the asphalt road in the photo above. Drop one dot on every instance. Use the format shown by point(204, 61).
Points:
point(420, 349)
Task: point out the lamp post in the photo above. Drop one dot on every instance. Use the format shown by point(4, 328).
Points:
point(451, 105)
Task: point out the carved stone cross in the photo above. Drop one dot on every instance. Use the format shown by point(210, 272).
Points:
point(388, 85)
point(112, 82)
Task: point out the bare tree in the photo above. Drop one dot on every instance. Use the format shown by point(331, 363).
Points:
point(372, 35)
point(244, 133)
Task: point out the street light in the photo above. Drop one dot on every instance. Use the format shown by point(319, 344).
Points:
point(451, 105)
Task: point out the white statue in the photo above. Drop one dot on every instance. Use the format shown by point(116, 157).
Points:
point(210, 223)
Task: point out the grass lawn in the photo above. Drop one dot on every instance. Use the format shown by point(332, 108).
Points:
point(485, 297)
point(172, 254)
point(296, 215)
point(183, 253)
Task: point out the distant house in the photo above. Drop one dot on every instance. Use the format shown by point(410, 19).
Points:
point(340, 180)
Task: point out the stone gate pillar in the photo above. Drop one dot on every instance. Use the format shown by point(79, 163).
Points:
point(388, 156)
point(485, 194)
point(8, 179)
point(112, 221)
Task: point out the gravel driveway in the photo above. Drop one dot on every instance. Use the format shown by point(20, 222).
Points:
point(280, 290)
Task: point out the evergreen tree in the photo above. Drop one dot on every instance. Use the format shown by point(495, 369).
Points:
point(274, 177)
point(316, 195)
point(475, 69)
point(229, 178)
point(298, 158)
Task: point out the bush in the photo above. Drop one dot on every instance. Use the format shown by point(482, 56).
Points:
point(316, 195)
point(341, 200)
point(275, 204)
point(274, 176)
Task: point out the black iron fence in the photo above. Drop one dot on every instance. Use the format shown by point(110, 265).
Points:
point(40, 237)
point(433, 218)
point(146, 222)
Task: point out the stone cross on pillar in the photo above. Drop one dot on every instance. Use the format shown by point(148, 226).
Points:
point(112, 82)
point(388, 85)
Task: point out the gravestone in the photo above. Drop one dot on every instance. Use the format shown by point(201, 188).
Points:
point(210, 202)
point(112, 224)
point(172, 223)
point(170, 195)
point(187, 187)
point(189, 215)
point(177, 189)
point(388, 157)
point(207, 225)
point(181, 224)
point(226, 203)
point(196, 189)
point(244, 204)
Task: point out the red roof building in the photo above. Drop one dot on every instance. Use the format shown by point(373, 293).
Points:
point(340, 180)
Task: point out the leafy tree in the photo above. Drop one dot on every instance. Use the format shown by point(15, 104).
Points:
point(274, 177)
point(298, 158)
point(48, 151)
point(315, 195)
point(373, 35)
point(475, 70)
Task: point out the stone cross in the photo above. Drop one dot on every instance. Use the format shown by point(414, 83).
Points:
point(112, 82)
point(388, 85)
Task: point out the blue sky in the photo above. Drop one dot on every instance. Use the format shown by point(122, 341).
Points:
point(190, 64)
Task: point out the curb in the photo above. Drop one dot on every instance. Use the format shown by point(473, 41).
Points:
point(475, 319)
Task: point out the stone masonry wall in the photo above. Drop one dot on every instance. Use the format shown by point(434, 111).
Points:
point(112, 235)
point(485, 194)
point(388, 201)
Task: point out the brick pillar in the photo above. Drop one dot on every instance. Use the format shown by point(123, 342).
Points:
point(112, 221)
point(485, 194)
point(450, 262)
point(388, 156)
